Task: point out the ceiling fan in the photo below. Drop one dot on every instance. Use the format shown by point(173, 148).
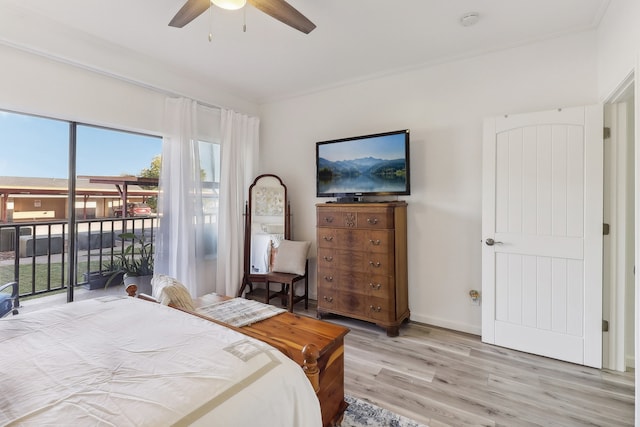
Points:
point(278, 9)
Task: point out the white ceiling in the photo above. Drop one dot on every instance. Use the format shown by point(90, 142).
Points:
point(354, 39)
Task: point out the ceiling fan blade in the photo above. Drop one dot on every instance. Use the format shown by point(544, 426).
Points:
point(285, 13)
point(190, 11)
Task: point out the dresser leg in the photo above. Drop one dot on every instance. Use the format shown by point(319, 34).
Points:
point(393, 331)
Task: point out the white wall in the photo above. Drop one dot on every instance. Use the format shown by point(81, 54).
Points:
point(443, 105)
point(618, 45)
point(33, 84)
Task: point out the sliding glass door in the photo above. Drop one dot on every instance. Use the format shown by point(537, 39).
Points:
point(116, 192)
point(34, 168)
point(67, 192)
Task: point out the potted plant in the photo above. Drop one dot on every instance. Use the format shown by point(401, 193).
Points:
point(110, 275)
point(135, 262)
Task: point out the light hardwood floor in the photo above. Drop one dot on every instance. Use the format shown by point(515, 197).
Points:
point(444, 378)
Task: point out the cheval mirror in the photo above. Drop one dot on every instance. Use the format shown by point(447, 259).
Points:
point(267, 222)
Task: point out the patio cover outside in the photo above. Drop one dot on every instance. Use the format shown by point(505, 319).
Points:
point(92, 186)
point(122, 184)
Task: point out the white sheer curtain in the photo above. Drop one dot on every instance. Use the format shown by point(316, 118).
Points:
point(239, 156)
point(179, 247)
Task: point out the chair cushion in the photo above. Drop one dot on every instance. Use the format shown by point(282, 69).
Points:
point(291, 257)
point(6, 304)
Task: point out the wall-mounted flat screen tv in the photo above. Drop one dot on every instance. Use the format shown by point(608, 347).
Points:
point(368, 165)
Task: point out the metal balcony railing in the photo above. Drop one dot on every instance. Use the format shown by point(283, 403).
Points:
point(35, 254)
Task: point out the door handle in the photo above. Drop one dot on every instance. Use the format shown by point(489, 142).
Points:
point(491, 242)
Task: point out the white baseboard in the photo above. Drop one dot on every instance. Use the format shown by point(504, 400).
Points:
point(447, 324)
point(630, 361)
point(434, 321)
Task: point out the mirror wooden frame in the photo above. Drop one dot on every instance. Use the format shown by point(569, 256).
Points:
point(260, 204)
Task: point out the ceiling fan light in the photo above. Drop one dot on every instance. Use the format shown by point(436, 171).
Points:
point(229, 4)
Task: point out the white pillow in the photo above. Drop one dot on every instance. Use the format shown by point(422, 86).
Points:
point(168, 290)
point(178, 296)
point(159, 281)
point(291, 257)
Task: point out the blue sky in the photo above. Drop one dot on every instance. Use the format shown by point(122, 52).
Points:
point(36, 147)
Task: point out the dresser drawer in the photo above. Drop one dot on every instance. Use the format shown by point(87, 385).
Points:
point(355, 262)
point(363, 218)
point(365, 284)
point(356, 282)
point(327, 258)
point(378, 264)
point(378, 241)
point(343, 238)
point(370, 307)
point(356, 240)
point(328, 237)
point(328, 278)
point(378, 219)
point(326, 217)
point(352, 261)
point(327, 298)
point(379, 309)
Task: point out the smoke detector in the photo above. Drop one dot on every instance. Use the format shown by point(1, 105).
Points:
point(469, 19)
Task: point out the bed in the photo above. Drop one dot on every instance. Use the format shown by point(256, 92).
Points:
point(315, 345)
point(126, 362)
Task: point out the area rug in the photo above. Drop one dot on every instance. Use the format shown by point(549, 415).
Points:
point(364, 414)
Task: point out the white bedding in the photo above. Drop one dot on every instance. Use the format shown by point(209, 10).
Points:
point(125, 362)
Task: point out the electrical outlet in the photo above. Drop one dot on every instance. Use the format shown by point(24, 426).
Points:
point(475, 297)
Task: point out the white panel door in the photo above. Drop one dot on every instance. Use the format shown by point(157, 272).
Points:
point(542, 233)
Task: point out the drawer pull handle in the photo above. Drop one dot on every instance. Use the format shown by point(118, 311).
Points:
point(374, 264)
point(327, 238)
point(377, 309)
point(328, 219)
point(328, 299)
point(328, 258)
point(375, 286)
point(375, 242)
point(372, 220)
point(328, 278)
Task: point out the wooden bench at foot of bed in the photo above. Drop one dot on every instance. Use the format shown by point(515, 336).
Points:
point(317, 346)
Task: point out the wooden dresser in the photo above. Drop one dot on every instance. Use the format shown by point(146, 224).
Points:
point(362, 262)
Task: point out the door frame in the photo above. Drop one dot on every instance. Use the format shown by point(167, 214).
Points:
point(636, 143)
point(617, 264)
point(631, 78)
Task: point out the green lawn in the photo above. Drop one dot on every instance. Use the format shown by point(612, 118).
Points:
point(57, 280)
